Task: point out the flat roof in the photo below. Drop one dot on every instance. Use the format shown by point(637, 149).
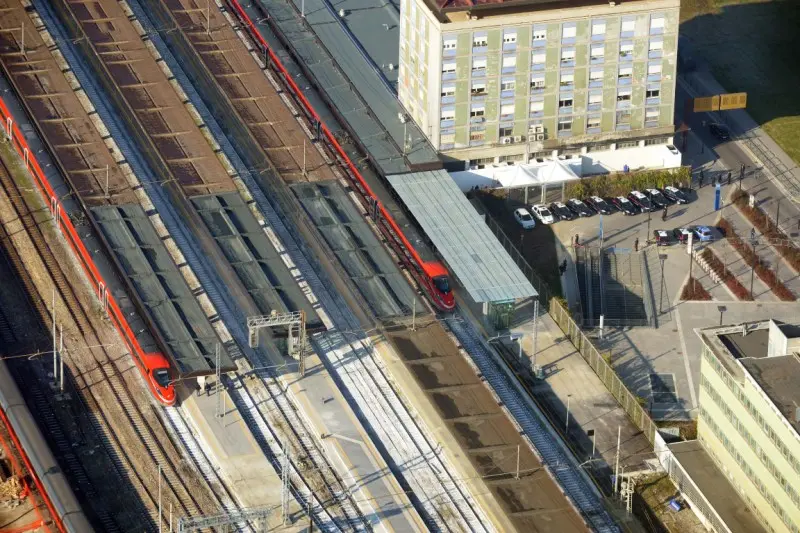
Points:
point(462, 237)
point(777, 376)
point(445, 6)
point(715, 487)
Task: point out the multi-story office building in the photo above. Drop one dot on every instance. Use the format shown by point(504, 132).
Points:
point(489, 79)
point(749, 419)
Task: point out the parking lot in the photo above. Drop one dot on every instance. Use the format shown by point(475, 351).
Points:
point(661, 363)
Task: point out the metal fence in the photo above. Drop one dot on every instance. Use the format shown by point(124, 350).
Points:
point(545, 294)
point(626, 399)
point(697, 501)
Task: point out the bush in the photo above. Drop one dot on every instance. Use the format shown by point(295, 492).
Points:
point(620, 184)
point(693, 290)
point(764, 224)
point(727, 277)
point(752, 259)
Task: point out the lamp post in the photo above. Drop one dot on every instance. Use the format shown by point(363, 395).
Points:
point(753, 243)
point(662, 257)
point(721, 309)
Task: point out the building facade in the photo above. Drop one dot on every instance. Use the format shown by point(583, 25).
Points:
point(510, 81)
point(748, 418)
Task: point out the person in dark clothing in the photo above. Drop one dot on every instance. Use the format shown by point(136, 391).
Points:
point(664, 214)
point(577, 241)
point(702, 178)
point(636, 244)
point(562, 268)
point(729, 177)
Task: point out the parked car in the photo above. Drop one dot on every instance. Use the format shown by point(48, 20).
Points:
point(641, 201)
point(579, 208)
point(561, 211)
point(681, 234)
point(676, 195)
point(599, 205)
point(663, 237)
point(658, 199)
point(720, 131)
point(524, 218)
point(624, 205)
point(541, 212)
point(703, 233)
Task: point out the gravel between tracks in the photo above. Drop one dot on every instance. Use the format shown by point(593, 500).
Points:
point(105, 375)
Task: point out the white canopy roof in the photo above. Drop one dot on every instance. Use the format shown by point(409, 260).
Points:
point(551, 172)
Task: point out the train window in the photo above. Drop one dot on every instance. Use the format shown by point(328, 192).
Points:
point(161, 375)
point(442, 283)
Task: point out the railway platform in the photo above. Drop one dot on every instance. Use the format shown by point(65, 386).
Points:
point(365, 102)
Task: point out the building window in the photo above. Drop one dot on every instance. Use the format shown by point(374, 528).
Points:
point(626, 51)
point(477, 137)
point(481, 162)
point(625, 74)
point(538, 60)
point(510, 159)
point(595, 100)
point(478, 66)
point(479, 42)
point(627, 27)
point(477, 111)
point(564, 126)
point(651, 115)
point(565, 103)
point(623, 97)
point(657, 24)
point(509, 39)
point(595, 78)
point(623, 123)
point(567, 57)
point(568, 32)
point(478, 88)
point(654, 71)
point(656, 47)
point(598, 30)
point(449, 43)
point(507, 87)
point(447, 139)
point(447, 116)
point(448, 93)
point(537, 108)
point(507, 111)
point(567, 79)
point(597, 53)
point(593, 124)
point(539, 36)
point(653, 94)
point(537, 82)
point(509, 64)
point(506, 131)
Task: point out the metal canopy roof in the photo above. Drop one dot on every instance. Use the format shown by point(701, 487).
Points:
point(462, 236)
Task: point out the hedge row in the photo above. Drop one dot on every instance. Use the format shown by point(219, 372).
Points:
point(754, 261)
point(620, 184)
point(767, 227)
point(722, 271)
point(693, 290)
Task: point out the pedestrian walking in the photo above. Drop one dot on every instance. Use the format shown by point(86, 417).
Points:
point(729, 177)
point(752, 234)
point(562, 268)
point(702, 178)
point(664, 214)
point(577, 240)
point(636, 244)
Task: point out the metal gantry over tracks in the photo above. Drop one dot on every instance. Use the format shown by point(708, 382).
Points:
point(295, 322)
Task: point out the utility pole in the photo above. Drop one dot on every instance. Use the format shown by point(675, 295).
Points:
point(753, 268)
point(159, 498)
point(61, 357)
point(616, 469)
point(305, 173)
point(219, 383)
point(208, 17)
point(106, 182)
point(55, 351)
point(517, 476)
point(566, 426)
point(414, 314)
point(22, 41)
point(535, 333)
point(778, 216)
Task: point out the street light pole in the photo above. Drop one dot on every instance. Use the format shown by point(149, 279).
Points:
point(753, 270)
point(662, 257)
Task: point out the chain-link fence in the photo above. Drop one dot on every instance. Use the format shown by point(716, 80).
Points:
point(631, 403)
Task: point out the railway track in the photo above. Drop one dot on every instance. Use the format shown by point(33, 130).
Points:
point(323, 492)
point(133, 432)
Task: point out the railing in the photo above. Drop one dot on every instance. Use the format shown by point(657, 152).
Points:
point(626, 399)
point(100, 287)
point(688, 488)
